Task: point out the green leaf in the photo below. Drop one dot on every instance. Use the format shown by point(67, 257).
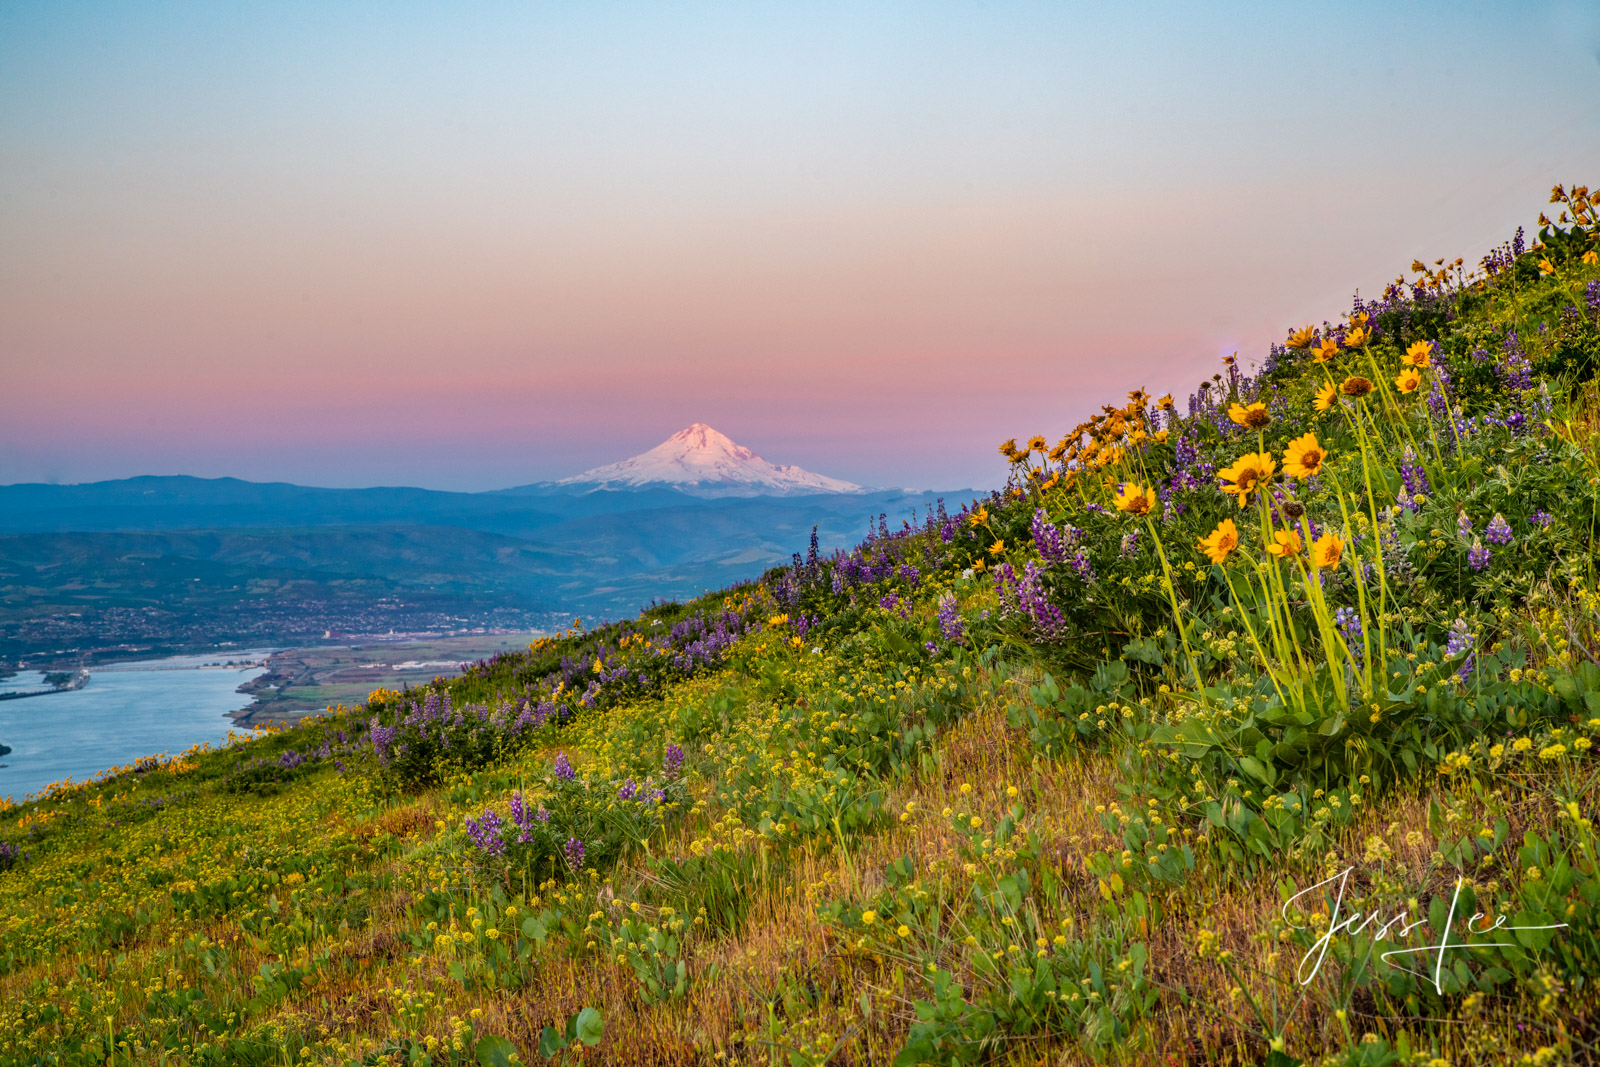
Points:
point(551, 1042)
point(590, 1026)
point(1256, 769)
point(495, 1051)
point(533, 928)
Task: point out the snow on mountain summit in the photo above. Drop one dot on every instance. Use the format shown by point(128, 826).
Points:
point(700, 459)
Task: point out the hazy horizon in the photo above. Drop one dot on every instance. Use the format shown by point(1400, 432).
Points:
point(473, 249)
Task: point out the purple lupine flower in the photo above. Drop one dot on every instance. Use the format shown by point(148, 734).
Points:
point(1130, 543)
point(1349, 622)
point(629, 790)
point(951, 626)
point(889, 603)
point(1515, 369)
point(1005, 580)
point(542, 815)
point(1541, 518)
point(1499, 530)
point(1046, 617)
point(910, 575)
point(485, 833)
point(1463, 526)
point(290, 760)
point(1591, 297)
point(564, 771)
point(574, 852)
point(1413, 475)
point(1478, 555)
point(1460, 644)
point(519, 816)
point(673, 763)
point(1082, 567)
point(382, 738)
point(1047, 536)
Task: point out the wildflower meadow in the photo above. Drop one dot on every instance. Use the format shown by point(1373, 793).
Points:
point(1255, 728)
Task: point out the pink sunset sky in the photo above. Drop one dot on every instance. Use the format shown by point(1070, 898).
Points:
point(479, 247)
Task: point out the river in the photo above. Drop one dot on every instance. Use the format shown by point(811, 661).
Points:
point(126, 711)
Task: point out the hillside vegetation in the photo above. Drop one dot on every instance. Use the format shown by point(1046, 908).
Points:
point(1255, 729)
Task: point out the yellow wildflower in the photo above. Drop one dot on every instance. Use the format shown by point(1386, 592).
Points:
point(1326, 550)
point(1303, 457)
point(1286, 544)
point(1408, 380)
point(1248, 473)
point(1220, 543)
point(1419, 355)
point(1326, 396)
point(1253, 416)
point(1136, 499)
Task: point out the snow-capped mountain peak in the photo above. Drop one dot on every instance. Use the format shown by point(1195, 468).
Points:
point(699, 459)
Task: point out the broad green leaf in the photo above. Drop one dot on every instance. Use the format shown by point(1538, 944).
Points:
point(590, 1026)
point(495, 1051)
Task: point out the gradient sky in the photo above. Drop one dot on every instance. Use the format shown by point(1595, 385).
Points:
point(476, 245)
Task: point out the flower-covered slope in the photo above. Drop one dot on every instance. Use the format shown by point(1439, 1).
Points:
point(1184, 747)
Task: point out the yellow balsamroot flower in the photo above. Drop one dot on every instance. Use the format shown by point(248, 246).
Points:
point(1219, 544)
point(1286, 544)
point(1326, 550)
point(1135, 499)
point(1356, 337)
point(1326, 350)
point(1591, 257)
point(1302, 337)
point(1254, 415)
point(1326, 396)
point(1303, 457)
point(1546, 267)
point(979, 517)
point(1408, 380)
point(1355, 387)
point(1419, 355)
point(997, 549)
point(1036, 443)
point(1249, 473)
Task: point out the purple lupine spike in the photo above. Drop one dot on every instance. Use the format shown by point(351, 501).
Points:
point(1048, 539)
point(564, 771)
point(574, 852)
point(1413, 475)
point(1349, 622)
point(1082, 566)
point(1498, 531)
point(1461, 643)
point(951, 626)
point(1478, 555)
point(485, 833)
point(673, 763)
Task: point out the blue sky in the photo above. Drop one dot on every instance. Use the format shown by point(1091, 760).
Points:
point(469, 246)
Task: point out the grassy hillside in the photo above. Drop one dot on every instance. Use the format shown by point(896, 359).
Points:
point(1255, 729)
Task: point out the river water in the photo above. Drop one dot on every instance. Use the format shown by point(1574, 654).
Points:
point(126, 711)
